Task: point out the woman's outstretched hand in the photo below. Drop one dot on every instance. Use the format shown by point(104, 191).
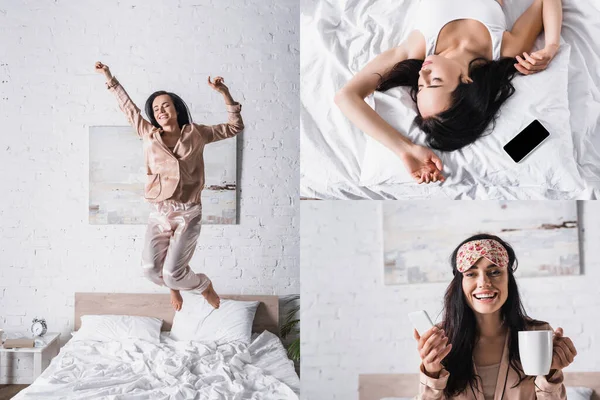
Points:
point(423, 164)
point(218, 85)
point(563, 351)
point(433, 348)
point(536, 61)
point(102, 69)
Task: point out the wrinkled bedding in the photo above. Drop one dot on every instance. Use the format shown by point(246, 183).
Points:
point(340, 162)
point(137, 369)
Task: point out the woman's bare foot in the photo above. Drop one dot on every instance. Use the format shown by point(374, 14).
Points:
point(211, 296)
point(176, 299)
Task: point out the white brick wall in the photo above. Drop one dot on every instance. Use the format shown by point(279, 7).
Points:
point(50, 95)
point(353, 324)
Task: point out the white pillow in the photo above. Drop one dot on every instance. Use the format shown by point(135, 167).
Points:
point(199, 321)
point(552, 166)
point(108, 328)
point(579, 393)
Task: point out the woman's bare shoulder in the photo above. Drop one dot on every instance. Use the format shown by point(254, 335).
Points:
point(414, 45)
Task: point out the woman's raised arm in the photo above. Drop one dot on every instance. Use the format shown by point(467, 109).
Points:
point(421, 162)
point(132, 112)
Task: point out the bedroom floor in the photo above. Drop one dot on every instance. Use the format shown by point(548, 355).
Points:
point(8, 391)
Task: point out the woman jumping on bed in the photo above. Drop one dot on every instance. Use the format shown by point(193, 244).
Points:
point(458, 64)
point(474, 352)
point(173, 150)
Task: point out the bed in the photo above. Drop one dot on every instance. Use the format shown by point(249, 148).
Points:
point(404, 386)
point(167, 368)
point(340, 162)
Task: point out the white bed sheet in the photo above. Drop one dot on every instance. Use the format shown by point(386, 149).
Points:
point(136, 369)
point(332, 159)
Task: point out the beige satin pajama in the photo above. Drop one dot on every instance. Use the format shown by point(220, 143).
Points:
point(173, 230)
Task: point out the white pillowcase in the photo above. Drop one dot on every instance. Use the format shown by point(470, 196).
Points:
point(108, 328)
point(199, 321)
point(579, 393)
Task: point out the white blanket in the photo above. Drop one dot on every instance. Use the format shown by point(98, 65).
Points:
point(339, 161)
point(172, 370)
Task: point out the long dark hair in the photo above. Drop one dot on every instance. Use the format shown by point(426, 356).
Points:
point(183, 114)
point(460, 325)
point(473, 105)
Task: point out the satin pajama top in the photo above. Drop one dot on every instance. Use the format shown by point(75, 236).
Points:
point(177, 174)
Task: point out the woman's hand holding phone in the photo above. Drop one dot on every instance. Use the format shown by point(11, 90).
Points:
point(433, 348)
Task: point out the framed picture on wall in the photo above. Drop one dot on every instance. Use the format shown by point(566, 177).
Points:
point(419, 237)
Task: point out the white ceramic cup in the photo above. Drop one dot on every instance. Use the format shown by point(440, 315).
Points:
point(535, 350)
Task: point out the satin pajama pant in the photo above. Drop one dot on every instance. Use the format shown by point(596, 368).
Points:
point(173, 230)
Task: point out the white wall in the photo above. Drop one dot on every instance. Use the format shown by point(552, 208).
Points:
point(353, 324)
point(50, 95)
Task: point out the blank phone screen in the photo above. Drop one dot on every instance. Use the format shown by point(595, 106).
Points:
point(527, 140)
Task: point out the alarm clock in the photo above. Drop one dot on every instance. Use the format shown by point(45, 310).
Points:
point(39, 327)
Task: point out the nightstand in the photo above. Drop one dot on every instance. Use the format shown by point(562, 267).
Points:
point(41, 355)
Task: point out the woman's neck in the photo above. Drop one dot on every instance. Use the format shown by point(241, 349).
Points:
point(490, 326)
point(461, 55)
point(172, 129)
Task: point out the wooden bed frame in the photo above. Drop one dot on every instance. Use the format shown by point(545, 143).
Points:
point(159, 306)
point(378, 386)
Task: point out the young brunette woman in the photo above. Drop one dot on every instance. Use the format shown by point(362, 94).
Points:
point(458, 64)
point(173, 151)
point(474, 352)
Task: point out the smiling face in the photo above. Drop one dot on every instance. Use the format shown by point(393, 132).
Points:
point(485, 287)
point(164, 110)
point(438, 78)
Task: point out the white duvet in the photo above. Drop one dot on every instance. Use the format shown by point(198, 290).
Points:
point(138, 369)
point(338, 161)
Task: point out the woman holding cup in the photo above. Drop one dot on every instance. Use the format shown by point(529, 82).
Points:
point(474, 353)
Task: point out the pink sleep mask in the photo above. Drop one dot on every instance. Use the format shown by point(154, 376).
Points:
point(490, 249)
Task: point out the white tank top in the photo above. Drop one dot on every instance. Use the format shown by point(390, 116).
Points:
point(433, 15)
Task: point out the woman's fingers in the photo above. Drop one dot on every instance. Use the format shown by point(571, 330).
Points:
point(568, 354)
point(531, 60)
point(531, 64)
point(525, 64)
point(562, 358)
point(570, 346)
point(540, 63)
point(432, 352)
point(437, 353)
point(433, 341)
point(522, 70)
point(416, 334)
point(425, 342)
point(443, 354)
point(558, 332)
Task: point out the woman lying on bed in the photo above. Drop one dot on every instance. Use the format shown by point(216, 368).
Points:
point(474, 352)
point(458, 65)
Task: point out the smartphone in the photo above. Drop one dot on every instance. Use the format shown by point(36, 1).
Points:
point(526, 141)
point(421, 321)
